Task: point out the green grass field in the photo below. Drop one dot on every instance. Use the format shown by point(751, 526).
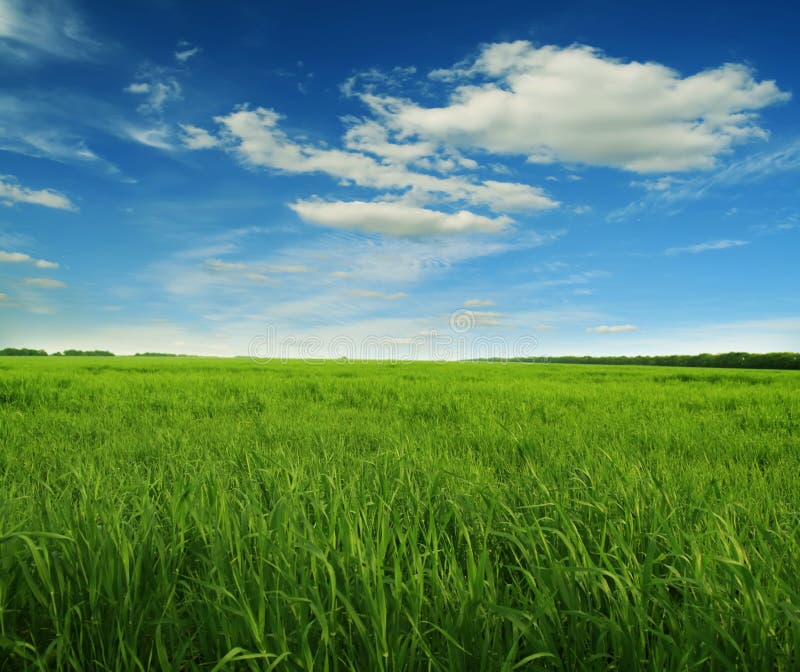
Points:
point(201, 514)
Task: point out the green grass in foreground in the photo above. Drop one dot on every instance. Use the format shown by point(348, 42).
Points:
point(208, 514)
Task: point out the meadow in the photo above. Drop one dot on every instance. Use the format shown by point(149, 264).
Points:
point(209, 514)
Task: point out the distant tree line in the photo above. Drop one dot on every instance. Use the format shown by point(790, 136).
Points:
point(30, 352)
point(727, 360)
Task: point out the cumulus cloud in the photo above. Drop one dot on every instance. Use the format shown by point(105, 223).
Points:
point(256, 138)
point(705, 247)
point(575, 104)
point(12, 192)
point(20, 257)
point(395, 219)
point(47, 283)
point(615, 329)
point(478, 303)
point(194, 137)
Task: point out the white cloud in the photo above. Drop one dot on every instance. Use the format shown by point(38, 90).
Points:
point(661, 184)
point(158, 86)
point(615, 329)
point(12, 192)
point(3, 297)
point(30, 29)
point(576, 104)
point(255, 137)
point(194, 137)
point(157, 138)
point(224, 266)
point(185, 51)
point(53, 125)
point(372, 294)
point(138, 88)
point(705, 247)
point(20, 257)
point(670, 192)
point(394, 218)
point(259, 277)
point(283, 268)
point(462, 321)
point(478, 303)
point(47, 283)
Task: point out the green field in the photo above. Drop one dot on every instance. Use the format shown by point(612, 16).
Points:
point(206, 514)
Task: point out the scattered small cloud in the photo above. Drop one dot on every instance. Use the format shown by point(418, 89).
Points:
point(158, 87)
point(705, 247)
point(185, 51)
point(478, 303)
point(20, 257)
point(12, 192)
point(287, 268)
point(615, 329)
point(220, 266)
point(372, 294)
point(259, 277)
point(138, 88)
point(660, 184)
point(47, 283)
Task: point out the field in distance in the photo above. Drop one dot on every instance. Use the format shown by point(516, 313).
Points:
point(209, 514)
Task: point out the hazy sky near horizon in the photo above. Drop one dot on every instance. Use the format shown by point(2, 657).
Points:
point(198, 177)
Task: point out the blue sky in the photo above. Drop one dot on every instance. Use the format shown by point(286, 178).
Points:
point(441, 180)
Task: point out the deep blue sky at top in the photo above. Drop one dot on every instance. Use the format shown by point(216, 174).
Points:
point(165, 221)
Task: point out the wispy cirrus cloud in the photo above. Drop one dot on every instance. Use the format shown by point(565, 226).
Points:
point(705, 247)
point(35, 29)
point(673, 192)
point(54, 125)
point(11, 191)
